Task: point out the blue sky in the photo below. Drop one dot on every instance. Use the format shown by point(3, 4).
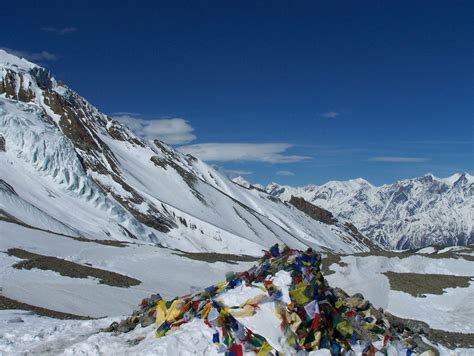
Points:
point(294, 92)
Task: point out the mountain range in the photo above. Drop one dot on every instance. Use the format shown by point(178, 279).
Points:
point(408, 214)
point(69, 169)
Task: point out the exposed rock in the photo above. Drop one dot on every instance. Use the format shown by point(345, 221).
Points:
point(2, 144)
point(358, 236)
point(312, 210)
point(416, 328)
point(143, 316)
point(171, 161)
point(118, 132)
point(8, 86)
point(4, 186)
point(135, 341)
point(357, 302)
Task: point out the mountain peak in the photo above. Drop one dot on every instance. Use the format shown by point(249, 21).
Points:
point(25, 81)
point(242, 181)
point(10, 60)
point(360, 181)
point(457, 177)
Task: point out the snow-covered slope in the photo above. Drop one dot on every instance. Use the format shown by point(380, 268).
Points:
point(408, 214)
point(442, 313)
point(67, 168)
point(376, 275)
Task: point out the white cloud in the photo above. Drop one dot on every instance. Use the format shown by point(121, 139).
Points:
point(125, 113)
point(257, 152)
point(60, 31)
point(231, 173)
point(237, 172)
point(174, 131)
point(285, 173)
point(398, 159)
point(43, 56)
point(32, 56)
point(330, 114)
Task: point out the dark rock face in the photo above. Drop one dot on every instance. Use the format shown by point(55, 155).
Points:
point(43, 78)
point(356, 234)
point(312, 210)
point(117, 132)
point(5, 187)
point(2, 144)
point(8, 87)
point(144, 316)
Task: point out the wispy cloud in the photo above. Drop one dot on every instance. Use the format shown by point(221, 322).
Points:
point(173, 131)
point(442, 142)
point(398, 159)
point(243, 152)
point(124, 113)
point(59, 31)
point(330, 114)
point(32, 56)
point(238, 172)
point(231, 173)
point(285, 173)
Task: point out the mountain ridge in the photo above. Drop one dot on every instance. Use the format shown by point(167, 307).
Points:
point(410, 213)
point(71, 164)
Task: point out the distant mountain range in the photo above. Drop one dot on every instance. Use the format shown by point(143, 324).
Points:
point(411, 213)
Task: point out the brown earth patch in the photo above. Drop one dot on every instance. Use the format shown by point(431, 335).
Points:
point(7, 303)
point(315, 212)
point(70, 269)
point(419, 284)
point(213, 257)
point(447, 338)
point(327, 260)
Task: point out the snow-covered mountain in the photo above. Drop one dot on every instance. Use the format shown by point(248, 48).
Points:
point(66, 168)
point(73, 182)
point(411, 213)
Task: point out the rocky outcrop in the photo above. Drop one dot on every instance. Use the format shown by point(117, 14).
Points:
point(5, 187)
point(312, 210)
point(358, 236)
point(8, 86)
